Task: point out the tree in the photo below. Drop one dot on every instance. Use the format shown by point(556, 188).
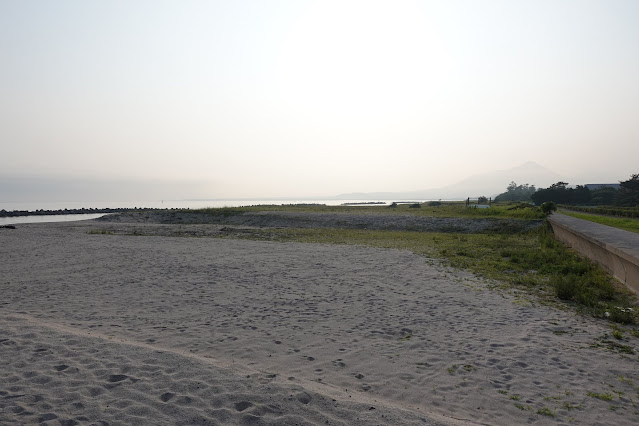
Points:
point(629, 192)
point(556, 193)
point(560, 193)
point(579, 195)
point(604, 196)
point(548, 207)
point(516, 192)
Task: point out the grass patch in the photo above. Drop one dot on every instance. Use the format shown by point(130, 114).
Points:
point(626, 224)
point(545, 411)
point(630, 212)
point(616, 347)
point(602, 396)
point(617, 334)
point(569, 406)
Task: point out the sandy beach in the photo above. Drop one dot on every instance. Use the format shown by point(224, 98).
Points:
point(162, 329)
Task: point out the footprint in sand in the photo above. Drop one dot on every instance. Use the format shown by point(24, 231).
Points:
point(114, 378)
point(304, 397)
point(339, 363)
point(165, 397)
point(243, 405)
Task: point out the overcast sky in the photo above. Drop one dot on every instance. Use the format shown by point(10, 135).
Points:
point(292, 98)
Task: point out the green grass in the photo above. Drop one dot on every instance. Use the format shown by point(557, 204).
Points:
point(545, 411)
point(569, 406)
point(617, 334)
point(533, 262)
point(602, 396)
point(618, 347)
point(631, 212)
point(631, 225)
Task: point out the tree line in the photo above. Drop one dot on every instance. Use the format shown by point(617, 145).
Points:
point(626, 196)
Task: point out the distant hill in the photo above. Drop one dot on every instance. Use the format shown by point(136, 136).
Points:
point(488, 184)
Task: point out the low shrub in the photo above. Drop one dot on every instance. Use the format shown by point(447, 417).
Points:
point(566, 287)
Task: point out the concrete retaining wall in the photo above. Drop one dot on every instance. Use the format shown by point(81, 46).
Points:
point(614, 249)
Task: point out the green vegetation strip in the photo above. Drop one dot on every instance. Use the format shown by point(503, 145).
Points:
point(631, 225)
point(533, 262)
point(629, 212)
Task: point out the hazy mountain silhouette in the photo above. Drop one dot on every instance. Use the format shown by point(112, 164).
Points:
point(488, 184)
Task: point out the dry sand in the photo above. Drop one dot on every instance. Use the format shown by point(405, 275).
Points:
point(117, 329)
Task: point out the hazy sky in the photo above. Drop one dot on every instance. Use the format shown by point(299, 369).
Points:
point(289, 98)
